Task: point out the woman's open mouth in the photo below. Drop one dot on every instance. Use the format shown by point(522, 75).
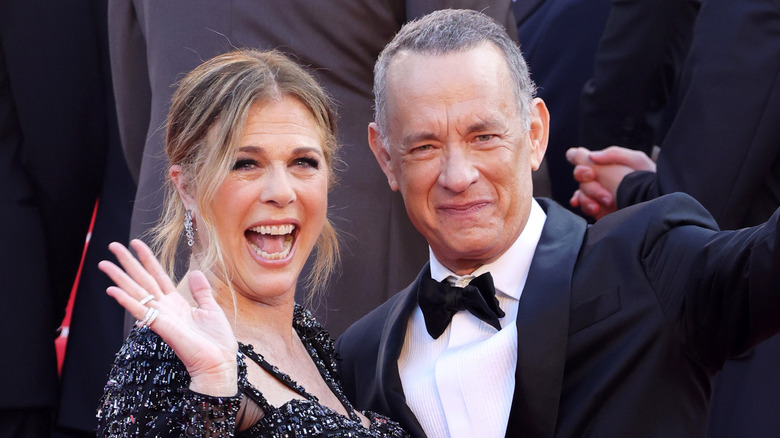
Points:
point(271, 242)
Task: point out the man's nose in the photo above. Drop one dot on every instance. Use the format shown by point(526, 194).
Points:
point(457, 169)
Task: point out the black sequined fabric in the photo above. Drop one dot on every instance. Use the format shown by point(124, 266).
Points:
point(147, 395)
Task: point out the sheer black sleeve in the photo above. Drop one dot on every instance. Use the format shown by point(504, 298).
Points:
point(147, 395)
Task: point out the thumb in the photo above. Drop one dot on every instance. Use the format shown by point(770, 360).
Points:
point(201, 291)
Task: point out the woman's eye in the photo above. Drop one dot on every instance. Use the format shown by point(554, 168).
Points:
point(244, 164)
point(307, 162)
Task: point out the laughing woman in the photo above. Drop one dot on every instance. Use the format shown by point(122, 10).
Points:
point(251, 139)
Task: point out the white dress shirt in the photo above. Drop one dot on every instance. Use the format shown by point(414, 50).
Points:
point(461, 384)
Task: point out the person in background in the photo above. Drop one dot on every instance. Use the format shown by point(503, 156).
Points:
point(53, 142)
point(559, 39)
point(638, 65)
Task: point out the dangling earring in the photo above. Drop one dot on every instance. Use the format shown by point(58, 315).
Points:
point(188, 231)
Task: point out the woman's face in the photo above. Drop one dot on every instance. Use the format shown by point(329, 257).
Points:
point(272, 206)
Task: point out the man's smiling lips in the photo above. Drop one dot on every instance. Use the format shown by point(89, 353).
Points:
point(462, 208)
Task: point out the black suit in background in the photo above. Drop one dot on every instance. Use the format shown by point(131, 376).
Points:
point(723, 148)
point(638, 64)
point(621, 325)
point(97, 321)
point(52, 147)
point(559, 39)
point(155, 43)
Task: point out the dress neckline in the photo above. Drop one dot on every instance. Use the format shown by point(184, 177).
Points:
point(330, 380)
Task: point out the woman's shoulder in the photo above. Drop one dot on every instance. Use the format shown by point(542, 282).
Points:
point(305, 322)
point(314, 334)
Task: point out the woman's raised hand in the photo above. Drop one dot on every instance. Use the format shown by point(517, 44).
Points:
point(201, 336)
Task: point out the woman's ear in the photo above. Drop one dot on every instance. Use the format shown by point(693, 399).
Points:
point(182, 186)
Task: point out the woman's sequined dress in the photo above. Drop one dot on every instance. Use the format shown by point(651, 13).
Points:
point(147, 395)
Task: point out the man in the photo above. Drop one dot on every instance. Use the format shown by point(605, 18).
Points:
point(611, 330)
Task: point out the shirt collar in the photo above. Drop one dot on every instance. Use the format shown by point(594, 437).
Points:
point(510, 270)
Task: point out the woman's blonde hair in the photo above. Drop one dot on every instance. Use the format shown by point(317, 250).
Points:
point(206, 119)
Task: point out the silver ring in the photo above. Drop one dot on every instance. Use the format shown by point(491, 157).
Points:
point(148, 318)
point(146, 299)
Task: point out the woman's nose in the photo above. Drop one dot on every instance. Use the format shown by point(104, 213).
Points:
point(277, 188)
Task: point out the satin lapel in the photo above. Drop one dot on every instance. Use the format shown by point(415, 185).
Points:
point(393, 334)
point(543, 325)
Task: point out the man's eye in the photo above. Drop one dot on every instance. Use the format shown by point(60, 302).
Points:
point(423, 148)
point(484, 137)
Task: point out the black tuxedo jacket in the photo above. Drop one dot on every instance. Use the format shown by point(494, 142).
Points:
point(621, 324)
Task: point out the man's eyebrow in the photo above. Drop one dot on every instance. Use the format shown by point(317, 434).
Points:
point(418, 137)
point(484, 124)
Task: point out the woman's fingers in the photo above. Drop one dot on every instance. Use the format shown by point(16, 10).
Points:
point(136, 272)
point(153, 266)
point(123, 280)
point(129, 303)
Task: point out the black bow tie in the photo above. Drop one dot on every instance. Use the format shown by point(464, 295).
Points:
point(440, 300)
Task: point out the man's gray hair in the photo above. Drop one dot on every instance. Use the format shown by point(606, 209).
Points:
point(446, 31)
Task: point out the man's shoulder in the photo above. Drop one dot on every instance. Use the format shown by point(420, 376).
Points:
point(665, 212)
point(641, 226)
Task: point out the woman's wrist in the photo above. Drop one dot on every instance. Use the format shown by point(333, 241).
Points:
point(219, 382)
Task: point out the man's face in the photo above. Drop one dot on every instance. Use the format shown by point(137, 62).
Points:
point(458, 151)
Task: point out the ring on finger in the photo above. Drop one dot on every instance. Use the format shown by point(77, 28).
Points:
point(148, 318)
point(146, 299)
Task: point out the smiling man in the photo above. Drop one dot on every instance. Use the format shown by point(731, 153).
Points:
point(527, 321)
point(458, 144)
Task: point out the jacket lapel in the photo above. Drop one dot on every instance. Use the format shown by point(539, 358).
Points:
point(391, 342)
point(543, 325)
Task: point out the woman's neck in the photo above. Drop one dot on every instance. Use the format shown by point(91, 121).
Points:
point(267, 321)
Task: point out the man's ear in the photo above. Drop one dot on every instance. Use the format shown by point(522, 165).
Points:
point(382, 155)
point(539, 131)
point(182, 186)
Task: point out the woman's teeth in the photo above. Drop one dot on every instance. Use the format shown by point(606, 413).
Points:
point(274, 230)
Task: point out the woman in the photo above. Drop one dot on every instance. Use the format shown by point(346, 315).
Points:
point(251, 140)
